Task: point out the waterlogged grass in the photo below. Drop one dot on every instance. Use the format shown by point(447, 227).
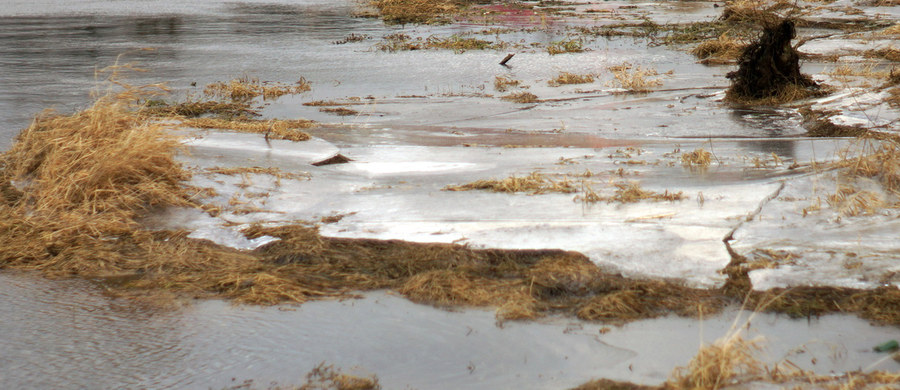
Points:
point(635, 78)
point(521, 97)
point(535, 183)
point(722, 50)
point(566, 78)
point(504, 83)
point(415, 11)
point(457, 43)
point(246, 88)
point(565, 46)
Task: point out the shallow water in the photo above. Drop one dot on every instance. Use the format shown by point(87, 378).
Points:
point(50, 54)
point(66, 334)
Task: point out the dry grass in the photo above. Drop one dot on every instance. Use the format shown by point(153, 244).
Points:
point(893, 30)
point(722, 50)
point(195, 109)
point(727, 361)
point(459, 44)
point(272, 128)
point(328, 378)
point(415, 11)
point(888, 53)
point(246, 88)
point(635, 78)
point(629, 192)
point(271, 171)
point(503, 83)
point(565, 46)
point(565, 78)
point(698, 158)
point(785, 94)
point(340, 111)
point(535, 183)
point(72, 200)
point(521, 97)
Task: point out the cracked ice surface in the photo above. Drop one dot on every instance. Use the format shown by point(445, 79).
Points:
point(819, 247)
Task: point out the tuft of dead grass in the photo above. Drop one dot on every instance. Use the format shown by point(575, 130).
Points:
point(533, 184)
point(415, 11)
point(247, 88)
point(503, 83)
point(271, 171)
point(521, 97)
point(635, 78)
point(196, 109)
point(698, 158)
point(722, 50)
point(888, 53)
point(272, 128)
point(565, 46)
point(339, 111)
point(727, 361)
point(324, 377)
point(565, 78)
point(630, 192)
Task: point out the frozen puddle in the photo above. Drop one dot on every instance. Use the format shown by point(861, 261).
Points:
point(71, 329)
point(399, 192)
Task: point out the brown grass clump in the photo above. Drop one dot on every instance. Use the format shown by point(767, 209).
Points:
point(195, 109)
point(415, 11)
point(271, 171)
point(533, 184)
point(699, 158)
point(722, 50)
point(340, 111)
point(272, 128)
point(73, 200)
point(635, 78)
point(521, 97)
point(328, 378)
point(503, 83)
point(727, 361)
point(631, 192)
point(888, 53)
point(565, 78)
point(565, 46)
point(893, 30)
point(246, 88)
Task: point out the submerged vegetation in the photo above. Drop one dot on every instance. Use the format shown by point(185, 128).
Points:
point(415, 11)
point(565, 78)
point(635, 78)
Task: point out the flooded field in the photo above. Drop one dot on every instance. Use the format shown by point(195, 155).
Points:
point(597, 207)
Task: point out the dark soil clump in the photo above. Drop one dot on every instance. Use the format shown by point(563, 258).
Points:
point(770, 68)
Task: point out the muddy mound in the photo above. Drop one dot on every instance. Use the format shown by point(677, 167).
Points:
point(770, 68)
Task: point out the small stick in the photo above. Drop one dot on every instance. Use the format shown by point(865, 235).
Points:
point(508, 57)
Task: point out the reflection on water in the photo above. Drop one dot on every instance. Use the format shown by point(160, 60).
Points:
point(50, 60)
point(66, 334)
point(84, 339)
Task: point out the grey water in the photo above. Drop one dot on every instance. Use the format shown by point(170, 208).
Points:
point(68, 334)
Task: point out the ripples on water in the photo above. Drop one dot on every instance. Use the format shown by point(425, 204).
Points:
point(67, 334)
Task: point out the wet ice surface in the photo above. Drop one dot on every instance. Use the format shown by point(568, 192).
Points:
point(67, 334)
point(398, 192)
